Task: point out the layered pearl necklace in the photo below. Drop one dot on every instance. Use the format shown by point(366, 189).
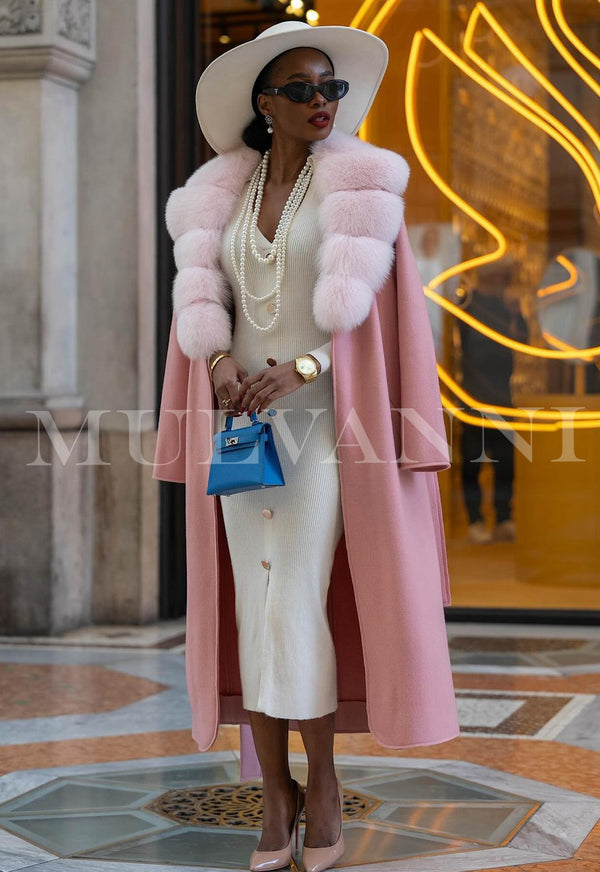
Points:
point(248, 222)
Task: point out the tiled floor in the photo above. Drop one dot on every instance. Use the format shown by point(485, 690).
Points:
point(98, 770)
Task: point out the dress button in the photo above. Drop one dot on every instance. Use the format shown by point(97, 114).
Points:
point(266, 564)
point(270, 307)
point(268, 514)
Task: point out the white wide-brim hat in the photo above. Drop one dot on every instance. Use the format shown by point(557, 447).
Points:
point(224, 92)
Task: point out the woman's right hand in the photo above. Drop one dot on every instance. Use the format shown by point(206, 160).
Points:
point(227, 375)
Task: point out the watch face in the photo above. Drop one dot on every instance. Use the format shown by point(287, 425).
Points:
point(307, 367)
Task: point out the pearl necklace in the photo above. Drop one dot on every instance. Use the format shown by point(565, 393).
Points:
point(248, 221)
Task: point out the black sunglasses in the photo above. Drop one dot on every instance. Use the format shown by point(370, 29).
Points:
point(303, 92)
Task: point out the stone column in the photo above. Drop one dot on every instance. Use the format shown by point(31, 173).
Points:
point(47, 50)
point(59, 352)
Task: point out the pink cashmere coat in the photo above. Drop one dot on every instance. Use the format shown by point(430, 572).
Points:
point(389, 580)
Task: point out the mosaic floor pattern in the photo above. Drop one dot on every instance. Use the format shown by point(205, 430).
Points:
point(195, 814)
point(543, 652)
point(99, 773)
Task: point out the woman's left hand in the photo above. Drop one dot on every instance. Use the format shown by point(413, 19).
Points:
point(258, 390)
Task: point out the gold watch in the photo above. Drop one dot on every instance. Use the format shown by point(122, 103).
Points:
point(306, 366)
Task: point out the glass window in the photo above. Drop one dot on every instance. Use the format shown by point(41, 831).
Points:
point(496, 106)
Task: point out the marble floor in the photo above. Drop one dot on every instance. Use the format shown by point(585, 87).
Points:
point(98, 771)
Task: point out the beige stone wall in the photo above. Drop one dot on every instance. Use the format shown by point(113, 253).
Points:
point(79, 539)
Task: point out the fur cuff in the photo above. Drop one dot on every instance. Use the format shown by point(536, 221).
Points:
point(361, 212)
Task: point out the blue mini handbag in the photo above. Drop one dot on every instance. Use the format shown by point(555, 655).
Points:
point(244, 459)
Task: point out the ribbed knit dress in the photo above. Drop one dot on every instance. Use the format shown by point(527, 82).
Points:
point(282, 540)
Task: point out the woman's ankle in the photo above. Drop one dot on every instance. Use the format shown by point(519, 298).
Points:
point(321, 777)
point(280, 804)
point(322, 811)
point(275, 785)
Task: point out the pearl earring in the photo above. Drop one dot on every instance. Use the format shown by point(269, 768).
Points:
point(269, 120)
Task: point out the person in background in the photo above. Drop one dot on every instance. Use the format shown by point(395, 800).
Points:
point(487, 367)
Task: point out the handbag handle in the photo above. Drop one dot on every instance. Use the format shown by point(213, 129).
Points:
point(229, 422)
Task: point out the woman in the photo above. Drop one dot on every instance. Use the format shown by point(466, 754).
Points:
point(319, 603)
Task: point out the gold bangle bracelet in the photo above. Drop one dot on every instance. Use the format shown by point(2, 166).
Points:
point(216, 359)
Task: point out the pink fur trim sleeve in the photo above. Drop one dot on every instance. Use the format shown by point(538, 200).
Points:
point(361, 212)
point(203, 324)
point(196, 216)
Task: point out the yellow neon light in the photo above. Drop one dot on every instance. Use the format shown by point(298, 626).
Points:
point(466, 418)
point(571, 144)
point(383, 16)
point(571, 423)
point(551, 339)
point(415, 138)
point(569, 282)
point(558, 45)
point(513, 104)
point(380, 19)
point(376, 26)
point(593, 177)
point(506, 411)
point(363, 12)
point(571, 36)
point(501, 339)
point(482, 11)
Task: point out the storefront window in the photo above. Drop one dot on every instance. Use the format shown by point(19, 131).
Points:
point(496, 106)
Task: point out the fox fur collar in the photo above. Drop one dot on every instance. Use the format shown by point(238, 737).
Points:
point(359, 188)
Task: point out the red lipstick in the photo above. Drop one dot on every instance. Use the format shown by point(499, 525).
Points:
point(320, 119)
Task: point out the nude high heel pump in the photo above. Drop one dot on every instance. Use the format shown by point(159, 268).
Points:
point(265, 861)
point(318, 859)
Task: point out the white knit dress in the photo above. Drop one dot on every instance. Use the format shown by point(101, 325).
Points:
point(287, 658)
